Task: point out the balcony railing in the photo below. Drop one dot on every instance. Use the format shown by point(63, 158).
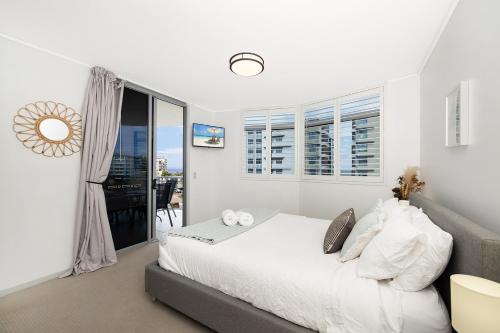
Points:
point(180, 184)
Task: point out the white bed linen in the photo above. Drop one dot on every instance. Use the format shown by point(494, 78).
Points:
point(279, 266)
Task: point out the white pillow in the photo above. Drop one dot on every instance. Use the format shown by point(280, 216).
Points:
point(366, 228)
point(389, 207)
point(361, 234)
point(394, 249)
point(429, 266)
point(389, 203)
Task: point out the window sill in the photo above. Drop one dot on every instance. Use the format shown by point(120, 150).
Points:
point(271, 178)
point(376, 182)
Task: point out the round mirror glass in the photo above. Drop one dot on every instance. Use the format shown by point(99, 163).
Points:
point(54, 129)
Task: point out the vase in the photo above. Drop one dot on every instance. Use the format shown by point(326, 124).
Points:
point(404, 202)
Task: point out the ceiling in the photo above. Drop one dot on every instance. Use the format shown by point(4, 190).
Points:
point(313, 50)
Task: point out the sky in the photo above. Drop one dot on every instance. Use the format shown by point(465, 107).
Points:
point(169, 146)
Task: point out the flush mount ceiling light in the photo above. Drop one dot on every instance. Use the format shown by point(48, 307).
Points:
point(246, 64)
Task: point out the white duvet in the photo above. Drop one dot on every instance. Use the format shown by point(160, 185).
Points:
point(279, 266)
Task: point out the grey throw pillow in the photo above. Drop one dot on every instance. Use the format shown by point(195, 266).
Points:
point(338, 231)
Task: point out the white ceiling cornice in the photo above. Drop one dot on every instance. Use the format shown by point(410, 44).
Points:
point(436, 38)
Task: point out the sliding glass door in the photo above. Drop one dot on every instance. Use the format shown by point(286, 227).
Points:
point(136, 172)
point(126, 186)
point(168, 175)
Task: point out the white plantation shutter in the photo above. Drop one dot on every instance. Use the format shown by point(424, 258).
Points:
point(360, 136)
point(254, 144)
point(283, 143)
point(319, 142)
point(342, 140)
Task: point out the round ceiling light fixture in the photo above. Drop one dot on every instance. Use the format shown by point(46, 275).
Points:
point(246, 64)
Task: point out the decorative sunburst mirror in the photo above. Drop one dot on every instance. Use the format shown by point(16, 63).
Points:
point(49, 128)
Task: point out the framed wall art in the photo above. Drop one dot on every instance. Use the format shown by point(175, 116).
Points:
point(457, 115)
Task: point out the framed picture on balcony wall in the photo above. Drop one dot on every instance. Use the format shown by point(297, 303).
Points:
point(457, 115)
point(208, 136)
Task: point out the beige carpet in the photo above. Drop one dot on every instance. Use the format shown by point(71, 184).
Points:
point(111, 299)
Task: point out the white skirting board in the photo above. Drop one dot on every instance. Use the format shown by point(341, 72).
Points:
point(31, 283)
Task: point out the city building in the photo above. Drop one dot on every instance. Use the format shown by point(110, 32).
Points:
point(360, 137)
point(161, 165)
point(282, 144)
point(319, 150)
point(282, 151)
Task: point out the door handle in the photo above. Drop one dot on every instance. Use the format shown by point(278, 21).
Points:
point(154, 184)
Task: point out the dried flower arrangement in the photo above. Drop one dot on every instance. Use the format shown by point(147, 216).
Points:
point(408, 182)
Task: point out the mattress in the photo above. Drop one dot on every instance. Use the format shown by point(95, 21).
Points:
point(279, 267)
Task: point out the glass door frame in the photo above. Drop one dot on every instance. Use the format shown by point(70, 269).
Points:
point(151, 193)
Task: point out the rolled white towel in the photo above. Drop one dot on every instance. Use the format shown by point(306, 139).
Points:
point(245, 219)
point(229, 217)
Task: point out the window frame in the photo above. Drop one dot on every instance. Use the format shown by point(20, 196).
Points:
point(269, 112)
point(299, 148)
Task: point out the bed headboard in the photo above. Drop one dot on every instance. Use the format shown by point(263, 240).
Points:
point(476, 250)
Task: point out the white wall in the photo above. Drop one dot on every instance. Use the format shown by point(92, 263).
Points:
point(234, 192)
point(465, 179)
point(218, 184)
point(202, 194)
point(38, 196)
point(323, 200)
point(401, 149)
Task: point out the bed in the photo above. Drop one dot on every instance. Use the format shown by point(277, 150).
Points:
point(230, 290)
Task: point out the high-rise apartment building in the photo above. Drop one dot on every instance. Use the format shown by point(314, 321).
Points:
point(161, 165)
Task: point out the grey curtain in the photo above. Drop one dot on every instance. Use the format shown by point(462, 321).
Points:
point(93, 243)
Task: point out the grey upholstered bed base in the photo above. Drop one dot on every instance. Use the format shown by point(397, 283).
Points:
point(476, 251)
point(212, 307)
